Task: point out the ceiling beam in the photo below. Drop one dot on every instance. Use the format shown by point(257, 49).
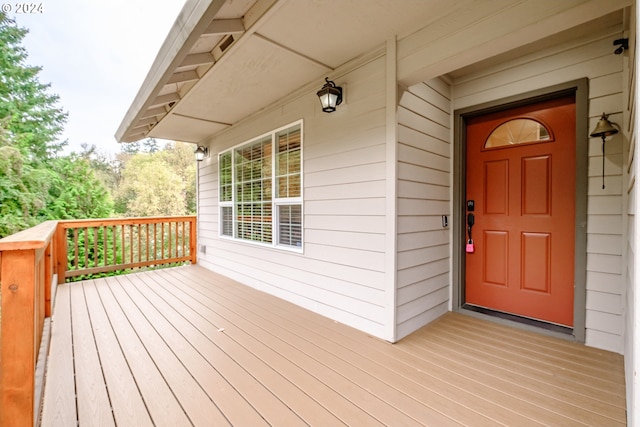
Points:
point(165, 99)
point(146, 121)
point(152, 112)
point(184, 76)
point(224, 26)
point(197, 59)
point(136, 136)
point(141, 128)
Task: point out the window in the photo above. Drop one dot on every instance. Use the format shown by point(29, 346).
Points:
point(517, 131)
point(260, 188)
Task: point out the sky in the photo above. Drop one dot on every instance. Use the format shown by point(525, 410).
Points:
point(95, 54)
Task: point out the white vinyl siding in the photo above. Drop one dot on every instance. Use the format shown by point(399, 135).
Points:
point(260, 189)
point(424, 176)
point(630, 174)
point(340, 270)
point(590, 57)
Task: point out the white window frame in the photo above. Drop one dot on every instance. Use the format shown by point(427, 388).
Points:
point(276, 202)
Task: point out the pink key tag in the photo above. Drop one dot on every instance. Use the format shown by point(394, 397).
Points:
point(470, 247)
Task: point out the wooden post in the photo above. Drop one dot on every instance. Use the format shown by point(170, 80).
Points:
point(192, 241)
point(61, 252)
point(18, 350)
point(49, 269)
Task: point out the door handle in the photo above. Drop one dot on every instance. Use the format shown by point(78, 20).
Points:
point(471, 219)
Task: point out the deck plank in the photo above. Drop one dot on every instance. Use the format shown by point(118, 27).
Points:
point(273, 410)
point(491, 373)
point(197, 405)
point(94, 406)
point(189, 346)
point(429, 383)
point(59, 406)
point(566, 349)
point(235, 408)
point(506, 352)
point(416, 399)
point(161, 403)
point(584, 412)
point(550, 357)
point(325, 385)
point(302, 404)
point(128, 405)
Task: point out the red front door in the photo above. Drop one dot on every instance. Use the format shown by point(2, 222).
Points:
point(521, 176)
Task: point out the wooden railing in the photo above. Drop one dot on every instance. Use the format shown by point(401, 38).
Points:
point(92, 247)
point(27, 280)
point(34, 261)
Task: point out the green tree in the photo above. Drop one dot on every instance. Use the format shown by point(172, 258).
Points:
point(179, 156)
point(76, 192)
point(157, 183)
point(23, 192)
point(30, 118)
point(151, 188)
point(30, 123)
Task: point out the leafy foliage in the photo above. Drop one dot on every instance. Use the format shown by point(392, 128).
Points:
point(38, 182)
point(23, 192)
point(76, 192)
point(158, 183)
point(30, 119)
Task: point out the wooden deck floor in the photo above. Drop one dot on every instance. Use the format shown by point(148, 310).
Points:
point(185, 346)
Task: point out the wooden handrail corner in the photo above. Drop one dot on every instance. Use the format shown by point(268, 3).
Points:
point(34, 261)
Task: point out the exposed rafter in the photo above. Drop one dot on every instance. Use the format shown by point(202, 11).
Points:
point(152, 112)
point(184, 76)
point(197, 59)
point(224, 26)
point(165, 99)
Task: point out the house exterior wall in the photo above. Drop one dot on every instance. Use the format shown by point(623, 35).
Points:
point(592, 58)
point(424, 195)
point(341, 271)
point(630, 173)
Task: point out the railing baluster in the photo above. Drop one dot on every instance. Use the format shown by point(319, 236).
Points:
point(139, 249)
point(170, 228)
point(75, 245)
point(122, 245)
point(105, 244)
point(155, 241)
point(183, 239)
point(95, 246)
point(86, 247)
point(147, 236)
point(162, 238)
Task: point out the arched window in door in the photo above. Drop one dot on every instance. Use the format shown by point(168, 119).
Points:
point(518, 131)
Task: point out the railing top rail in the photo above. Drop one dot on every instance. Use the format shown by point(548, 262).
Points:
point(79, 223)
point(33, 238)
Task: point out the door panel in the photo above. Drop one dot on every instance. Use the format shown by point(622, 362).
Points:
point(524, 230)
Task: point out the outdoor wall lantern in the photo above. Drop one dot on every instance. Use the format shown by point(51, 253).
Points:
point(201, 152)
point(603, 129)
point(330, 96)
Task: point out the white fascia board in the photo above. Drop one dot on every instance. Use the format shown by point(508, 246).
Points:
point(195, 17)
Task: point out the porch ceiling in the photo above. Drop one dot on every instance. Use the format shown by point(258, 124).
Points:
point(226, 59)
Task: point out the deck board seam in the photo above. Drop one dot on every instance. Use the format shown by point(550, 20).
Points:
point(93, 336)
point(230, 356)
point(349, 361)
point(256, 356)
point(543, 408)
point(253, 356)
point(285, 357)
